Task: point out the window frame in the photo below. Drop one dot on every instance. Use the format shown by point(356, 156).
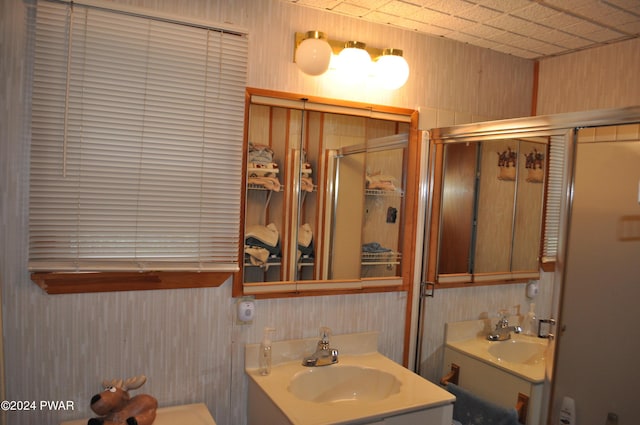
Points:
point(59, 282)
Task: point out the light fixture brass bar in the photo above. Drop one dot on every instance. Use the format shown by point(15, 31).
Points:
point(336, 46)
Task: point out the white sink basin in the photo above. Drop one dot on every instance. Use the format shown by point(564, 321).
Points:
point(343, 383)
point(518, 351)
point(363, 387)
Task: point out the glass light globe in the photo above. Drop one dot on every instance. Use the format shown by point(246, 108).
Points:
point(313, 54)
point(353, 63)
point(391, 69)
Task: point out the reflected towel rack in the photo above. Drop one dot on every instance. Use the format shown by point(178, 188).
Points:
point(522, 403)
point(451, 377)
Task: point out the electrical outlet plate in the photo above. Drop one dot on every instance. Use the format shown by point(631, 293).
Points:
point(245, 310)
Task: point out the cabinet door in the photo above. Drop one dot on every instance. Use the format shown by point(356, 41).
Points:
point(495, 205)
point(527, 227)
point(266, 231)
point(489, 209)
point(317, 203)
point(458, 208)
point(383, 213)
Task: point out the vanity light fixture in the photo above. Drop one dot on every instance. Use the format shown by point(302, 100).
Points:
point(391, 70)
point(352, 60)
point(313, 54)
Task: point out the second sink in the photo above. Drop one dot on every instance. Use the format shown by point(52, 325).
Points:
point(518, 351)
point(342, 383)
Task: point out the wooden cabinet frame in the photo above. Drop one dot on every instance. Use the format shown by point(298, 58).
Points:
point(290, 287)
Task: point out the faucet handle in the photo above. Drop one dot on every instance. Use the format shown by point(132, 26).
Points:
point(325, 334)
point(503, 321)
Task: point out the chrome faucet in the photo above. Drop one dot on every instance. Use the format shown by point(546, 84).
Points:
point(503, 330)
point(324, 355)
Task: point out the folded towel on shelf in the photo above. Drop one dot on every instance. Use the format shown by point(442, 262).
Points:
point(305, 240)
point(268, 182)
point(374, 247)
point(380, 182)
point(259, 153)
point(268, 234)
point(257, 256)
point(470, 409)
point(258, 169)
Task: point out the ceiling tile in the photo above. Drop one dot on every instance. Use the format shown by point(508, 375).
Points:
point(452, 7)
point(426, 28)
point(481, 14)
point(464, 38)
point(506, 22)
point(595, 10)
point(351, 10)
point(399, 8)
point(504, 5)
point(604, 35)
point(561, 21)
point(571, 42)
point(489, 44)
point(583, 28)
point(631, 28)
point(368, 4)
point(481, 31)
point(569, 4)
point(428, 16)
point(510, 38)
point(628, 5)
point(319, 4)
point(618, 19)
point(515, 51)
point(384, 18)
point(534, 12)
point(454, 23)
point(545, 27)
point(549, 49)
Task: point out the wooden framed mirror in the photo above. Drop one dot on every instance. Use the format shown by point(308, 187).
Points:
point(329, 196)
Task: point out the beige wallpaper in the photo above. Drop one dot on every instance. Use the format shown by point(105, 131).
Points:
point(185, 341)
point(600, 78)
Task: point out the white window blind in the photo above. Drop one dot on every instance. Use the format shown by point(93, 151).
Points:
point(553, 204)
point(136, 144)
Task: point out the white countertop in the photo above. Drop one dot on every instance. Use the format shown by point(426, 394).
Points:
point(188, 414)
point(470, 338)
point(416, 393)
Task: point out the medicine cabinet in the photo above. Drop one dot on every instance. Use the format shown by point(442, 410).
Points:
point(329, 191)
point(487, 216)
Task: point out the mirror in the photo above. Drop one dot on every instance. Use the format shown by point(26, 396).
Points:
point(374, 204)
point(325, 198)
point(491, 208)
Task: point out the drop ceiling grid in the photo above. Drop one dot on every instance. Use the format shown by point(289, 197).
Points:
point(531, 29)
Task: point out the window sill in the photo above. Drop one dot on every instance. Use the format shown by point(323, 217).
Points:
point(76, 283)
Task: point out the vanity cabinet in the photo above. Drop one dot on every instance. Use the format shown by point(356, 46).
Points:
point(487, 209)
point(495, 385)
point(327, 191)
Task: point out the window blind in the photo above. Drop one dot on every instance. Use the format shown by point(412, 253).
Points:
point(136, 143)
point(553, 204)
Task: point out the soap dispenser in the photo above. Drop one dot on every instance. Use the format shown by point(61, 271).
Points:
point(530, 325)
point(264, 356)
